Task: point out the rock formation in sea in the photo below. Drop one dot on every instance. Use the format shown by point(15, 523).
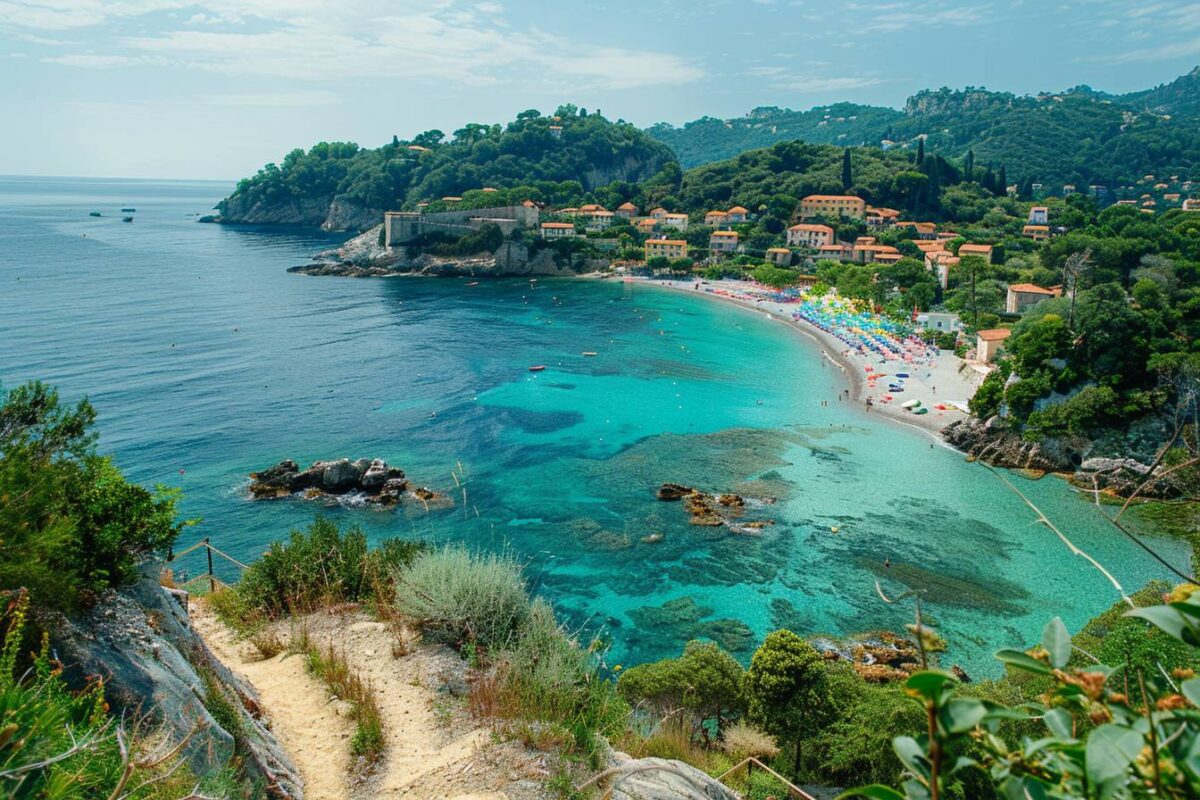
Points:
point(714, 510)
point(373, 480)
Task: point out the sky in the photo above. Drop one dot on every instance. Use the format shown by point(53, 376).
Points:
point(213, 89)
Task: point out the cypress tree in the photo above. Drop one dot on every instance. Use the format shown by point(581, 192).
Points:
point(847, 173)
point(395, 140)
point(933, 189)
point(920, 152)
point(969, 167)
point(1002, 183)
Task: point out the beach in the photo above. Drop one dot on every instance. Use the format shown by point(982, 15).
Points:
point(945, 380)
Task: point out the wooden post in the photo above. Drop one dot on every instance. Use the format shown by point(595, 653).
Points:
point(212, 584)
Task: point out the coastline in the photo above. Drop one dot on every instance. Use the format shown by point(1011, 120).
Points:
point(852, 365)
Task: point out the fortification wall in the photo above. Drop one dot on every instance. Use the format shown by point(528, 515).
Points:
point(404, 226)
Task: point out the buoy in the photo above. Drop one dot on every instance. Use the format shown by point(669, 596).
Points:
point(834, 529)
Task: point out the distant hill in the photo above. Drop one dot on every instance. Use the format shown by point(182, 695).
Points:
point(341, 186)
point(1080, 135)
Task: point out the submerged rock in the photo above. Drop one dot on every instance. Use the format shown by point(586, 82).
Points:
point(674, 491)
point(371, 480)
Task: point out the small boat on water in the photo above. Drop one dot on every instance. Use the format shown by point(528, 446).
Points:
point(590, 353)
point(128, 210)
point(537, 368)
point(126, 219)
point(920, 411)
point(895, 387)
point(94, 214)
point(473, 283)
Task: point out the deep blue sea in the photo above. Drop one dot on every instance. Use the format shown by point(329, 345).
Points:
point(206, 360)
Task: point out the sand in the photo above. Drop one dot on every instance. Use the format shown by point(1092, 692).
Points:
point(948, 380)
point(434, 750)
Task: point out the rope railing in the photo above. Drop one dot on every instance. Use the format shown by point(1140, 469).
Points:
point(209, 575)
point(751, 762)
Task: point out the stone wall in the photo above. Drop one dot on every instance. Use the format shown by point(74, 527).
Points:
point(404, 226)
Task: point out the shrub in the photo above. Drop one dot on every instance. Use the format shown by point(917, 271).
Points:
point(317, 567)
point(743, 740)
point(457, 597)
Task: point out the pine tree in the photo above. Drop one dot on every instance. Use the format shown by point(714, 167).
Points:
point(933, 189)
point(847, 172)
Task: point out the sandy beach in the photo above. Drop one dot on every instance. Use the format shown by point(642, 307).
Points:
point(948, 380)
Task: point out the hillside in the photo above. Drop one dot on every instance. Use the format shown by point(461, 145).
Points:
point(1081, 136)
point(341, 186)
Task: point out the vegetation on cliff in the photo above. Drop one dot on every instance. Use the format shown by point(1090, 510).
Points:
point(1079, 136)
point(550, 159)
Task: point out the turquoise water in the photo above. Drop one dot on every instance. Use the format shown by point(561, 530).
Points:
point(207, 360)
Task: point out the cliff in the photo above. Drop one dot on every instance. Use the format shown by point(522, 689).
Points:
point(141, 642)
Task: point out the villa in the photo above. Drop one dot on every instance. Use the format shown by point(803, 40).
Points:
point(716, 218)
point(881, 217)
point(1039, 233)
point(814, 236)
point(659, 213)
point(1026, 295)
point(557, 230)
point(1191, 204)
point(1039, 215)
point(832, 205)
point(599, 220)
point(984, 251)
point(723, 241)
point(988, 344)
point(779, 256)
point(665, 248)
point(679, 221)
point(940, 321)
point(738, 214)
point(627, 210)
point(646, 225)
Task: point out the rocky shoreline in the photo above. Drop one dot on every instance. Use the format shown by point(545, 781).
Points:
point(372, 481)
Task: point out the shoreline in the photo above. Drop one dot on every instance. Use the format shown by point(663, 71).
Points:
point(834, 351)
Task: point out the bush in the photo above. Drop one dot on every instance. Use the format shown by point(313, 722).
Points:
point(743, 740)
point(457, 597)
point(317, 567)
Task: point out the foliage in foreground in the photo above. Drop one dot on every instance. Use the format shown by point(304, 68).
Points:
point(62, 745)
point(71, 526)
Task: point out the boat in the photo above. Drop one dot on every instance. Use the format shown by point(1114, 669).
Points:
point(590, 353)
point(126, 219)
point(128, 210)
point(473, 283)
point(537, 368)
point(911, 404)
point(921, 411)
point(901, 374)
point(94, 214)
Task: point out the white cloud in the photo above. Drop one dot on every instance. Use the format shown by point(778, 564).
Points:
point(93, 60)
point(269, 99)
point(312, 40)
point(814, 84)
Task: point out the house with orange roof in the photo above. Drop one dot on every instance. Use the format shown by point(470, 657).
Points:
point(814, 236)
point(1039, 215)
point(881, 217)
point(715, 218)
point(451, 199)
point(659, 213)
point(988, 344)
point(923, 230)
point(779, 256)
point(869, 252)
point(1039, 233)
point(665, 248)
point(679, 221)
point(738, 214)
point(599, 220)
point(832, 205)
point(723, 241)
point(1172, 197)
point(556, 131)
point(557, 230)
point(1026, 295)
point(1191, 204)
point(939, 262)
point(984, 251)
point(627, 210)
point(832, 252)
point(646, 225)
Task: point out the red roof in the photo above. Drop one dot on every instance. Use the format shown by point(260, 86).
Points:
point(994, 334)
point(1030, 288)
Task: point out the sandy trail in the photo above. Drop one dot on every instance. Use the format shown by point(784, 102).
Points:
point(434, 751)
point(302, 714)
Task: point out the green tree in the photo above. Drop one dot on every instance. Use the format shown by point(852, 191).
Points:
point(786, 689)
point(847, 171)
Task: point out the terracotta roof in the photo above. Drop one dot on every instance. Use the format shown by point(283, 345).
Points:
point(831, 247)
point(451, 199)
point(716, 214)
point(1029, 288)
point(1036, 228)
point(557, 225)
point(725, 234)
point(994, 334)
point(832, 197)
point(974, 248)
point(627, 207)
point(739, 210)
point(778, 250)
point(812, 228)
point(667, 241)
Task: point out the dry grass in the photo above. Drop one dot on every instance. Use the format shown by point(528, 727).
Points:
point(742, 740)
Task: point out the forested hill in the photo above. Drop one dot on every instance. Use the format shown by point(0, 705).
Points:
point(1079, 136)
point(341, 186)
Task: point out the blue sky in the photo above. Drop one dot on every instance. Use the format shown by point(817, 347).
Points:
point(213, 89)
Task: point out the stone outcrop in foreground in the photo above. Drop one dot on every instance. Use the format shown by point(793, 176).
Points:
point(372, 480)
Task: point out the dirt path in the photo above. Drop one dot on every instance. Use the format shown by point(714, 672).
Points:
point(302, 714)
point(434, 751)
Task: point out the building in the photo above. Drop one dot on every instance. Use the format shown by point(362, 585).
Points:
point(814, 236)
point(881, 217)
point(832, 205)
point(923, 230)
point(779, 256)
point(1039, 233)
point(715, 219)
point(646, 225)
point(665, 248)
point(557, 230)
point(599, 220)
point(939, 263)
point(738, 214)
point(723, 241)
point(942, 321)
point(1039, 215)
point(1191, 204)
point(988, 344)
point(1172, 197)
point(627, 211)
point(679, 221)
point(556, 131)
point(1068, 189)
point(1025, 295)
point(870, 252)
point(401, 227)
point(835, 252)
point(984, 251)
point(659, 213)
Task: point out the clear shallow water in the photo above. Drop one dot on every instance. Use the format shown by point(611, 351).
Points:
point(202, 354)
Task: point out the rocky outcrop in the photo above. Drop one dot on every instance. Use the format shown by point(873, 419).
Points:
point(662, 779)
point(239, 211)
point(139, 641)
point(1117, 462)
point(714, 510)
point(372, 481)
point(346, 215)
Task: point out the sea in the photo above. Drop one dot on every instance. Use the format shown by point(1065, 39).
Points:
point(206, 360)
